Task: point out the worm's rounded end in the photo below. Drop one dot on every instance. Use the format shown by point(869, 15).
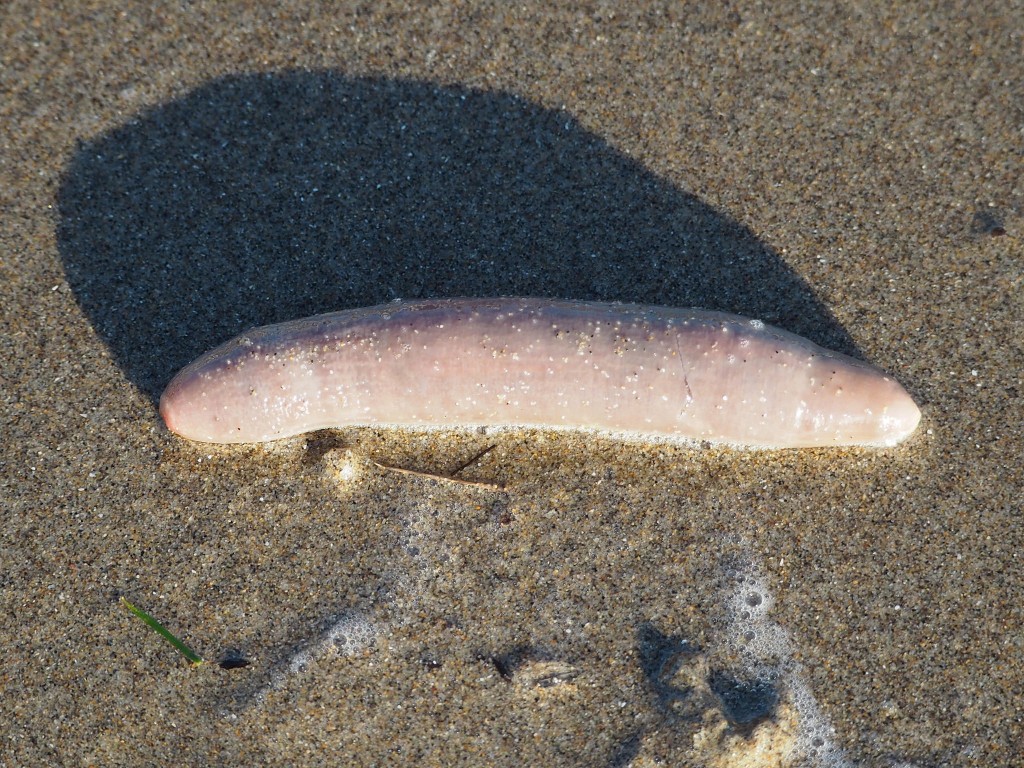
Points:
point(168, 409)
point(900, 417)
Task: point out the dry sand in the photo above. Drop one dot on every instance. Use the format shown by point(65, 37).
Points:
point(171, 176)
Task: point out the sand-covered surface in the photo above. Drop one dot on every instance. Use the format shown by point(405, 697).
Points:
point(170, 177)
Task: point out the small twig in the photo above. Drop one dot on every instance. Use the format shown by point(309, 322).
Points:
point(447, 478)
point(473, 460)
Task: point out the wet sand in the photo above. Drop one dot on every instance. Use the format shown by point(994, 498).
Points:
point(171, 177)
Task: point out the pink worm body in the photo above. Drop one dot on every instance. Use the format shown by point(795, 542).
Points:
point(636, 371)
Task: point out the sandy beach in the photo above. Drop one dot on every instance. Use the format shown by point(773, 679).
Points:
point(172, 176)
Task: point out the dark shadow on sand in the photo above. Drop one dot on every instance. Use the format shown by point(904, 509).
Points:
point(261, 198)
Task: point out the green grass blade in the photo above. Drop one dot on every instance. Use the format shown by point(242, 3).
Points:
point(165, 633)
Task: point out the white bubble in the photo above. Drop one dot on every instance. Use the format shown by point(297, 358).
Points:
point(345, 636)
point(348, 635)
point(767, 651)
